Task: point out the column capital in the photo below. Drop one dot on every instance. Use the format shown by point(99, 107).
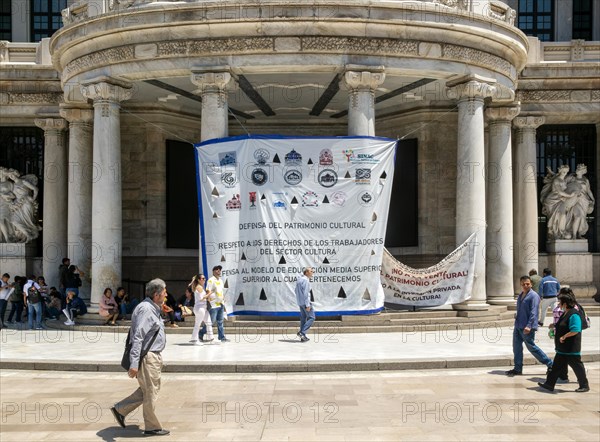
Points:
point(51, 124)
point(529, 122)
point(502, 114)
point(82, 114)
point(211, 79)
point(471, 87)
point(363, 78)
point(107, 89)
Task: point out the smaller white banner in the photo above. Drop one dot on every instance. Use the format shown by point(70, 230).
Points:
point(448, 282)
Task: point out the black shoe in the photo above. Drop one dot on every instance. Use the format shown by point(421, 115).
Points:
point(299, 334)
point(562, 381)
point(160, 432)
point(545, 387)
point(541, 324)
point(582, 390)
point(513, 372)
point(118, 417)
point(304, 338)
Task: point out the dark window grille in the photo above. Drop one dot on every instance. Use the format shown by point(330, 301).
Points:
point(536, 18)
point(5, 21)
point(570, 145)
point(46, 17)
point(23, 150)
point(582, 19)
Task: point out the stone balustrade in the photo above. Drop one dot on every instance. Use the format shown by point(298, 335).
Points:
point(576, 51)
point(25, 53)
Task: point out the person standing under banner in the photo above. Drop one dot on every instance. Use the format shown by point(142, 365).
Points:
point(307, 312)
point(201, 312)
point(214, 287)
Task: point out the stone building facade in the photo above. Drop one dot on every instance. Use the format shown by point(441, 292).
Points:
point(124, 81)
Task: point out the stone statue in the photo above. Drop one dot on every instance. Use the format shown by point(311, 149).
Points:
point(566, 201)
point(18, 207)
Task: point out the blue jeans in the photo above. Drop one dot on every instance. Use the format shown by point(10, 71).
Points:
point(37, 307)
point(216, 315)
point(519, 337)
point(307, 317)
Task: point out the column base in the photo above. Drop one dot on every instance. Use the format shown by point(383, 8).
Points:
point(502, 301)
point(471, 306)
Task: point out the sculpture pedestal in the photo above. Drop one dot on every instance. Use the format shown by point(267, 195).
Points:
point(17, 258)
point(572, 265)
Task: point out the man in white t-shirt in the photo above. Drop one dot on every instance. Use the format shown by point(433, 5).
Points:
point(216, 299)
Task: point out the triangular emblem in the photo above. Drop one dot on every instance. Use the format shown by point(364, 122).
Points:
point(240, 300)
point(282, 260)
point(325, 261)
point(263, 295)
point(341, 293)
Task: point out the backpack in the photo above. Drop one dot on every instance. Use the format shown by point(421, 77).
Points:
point(33, 295)
point(585, 320)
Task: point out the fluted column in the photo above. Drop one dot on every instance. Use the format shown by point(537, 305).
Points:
point(79, 233)
point(525, 193)
point(107, 95)
point(470, 181)
point(212, 88)
point(499, 253)
point(55, 197)
point(361, 83)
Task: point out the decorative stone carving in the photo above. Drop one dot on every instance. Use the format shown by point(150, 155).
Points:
point(471, 87)
point(577, 50)
point(367, 81)
point(212, 82)
point(75, 13)
point(459, 4)
point(502, 114)
point(3, 51)
point(18, 207)
point(566, 201)
point(481, 58)
point(500, 11)
point(107, 89)
point(35, 98)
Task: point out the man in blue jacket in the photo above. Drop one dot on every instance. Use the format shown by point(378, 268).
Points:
point(549, 288)
point(526, 323)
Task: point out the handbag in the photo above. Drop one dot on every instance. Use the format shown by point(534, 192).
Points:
point(126, 359)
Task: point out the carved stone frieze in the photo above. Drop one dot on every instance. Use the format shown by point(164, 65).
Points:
point(528, 122)
point(51, 124)
point(481, 58)
point(34, 98)
point(502, 114)
point(377, 46)
point(471, 87)
point(212, 83)
point(344, 45)
point(459, 4)
point(564, 96)
point(101, 58)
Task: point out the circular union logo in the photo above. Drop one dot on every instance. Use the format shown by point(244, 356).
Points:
point(327, 178)
point(293, 177)
point(338, 198)
point(228, 179)
point(259, 176)
point(365, 198)
point(261, 155)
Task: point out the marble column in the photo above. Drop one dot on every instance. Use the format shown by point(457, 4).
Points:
point(471, 92)
point(361, 83)
point(55, 197)
point(212, 88)
point(525, 198)
point(499, 240)
point(596, 192)
point(80, 170)
point(106, 251)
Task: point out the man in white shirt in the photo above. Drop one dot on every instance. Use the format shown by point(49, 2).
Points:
point(216, 299)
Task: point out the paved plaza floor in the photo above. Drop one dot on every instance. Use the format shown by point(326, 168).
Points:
point(475, 404)
point(100, 349)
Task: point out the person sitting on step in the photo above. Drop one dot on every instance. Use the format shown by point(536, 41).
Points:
point(108, 307)
point(75, 307)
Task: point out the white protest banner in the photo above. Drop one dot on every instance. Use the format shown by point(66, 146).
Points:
point(271, 205)
point(448, 282)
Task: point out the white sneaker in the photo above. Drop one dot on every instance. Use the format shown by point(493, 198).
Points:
point(69, 323)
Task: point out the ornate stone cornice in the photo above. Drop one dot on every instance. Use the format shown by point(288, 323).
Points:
point(504, 114)
point(392, 47)
point(528, 122)
point(471, 87)
point(51, 124)
point(558, 96)
point(107, 89)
